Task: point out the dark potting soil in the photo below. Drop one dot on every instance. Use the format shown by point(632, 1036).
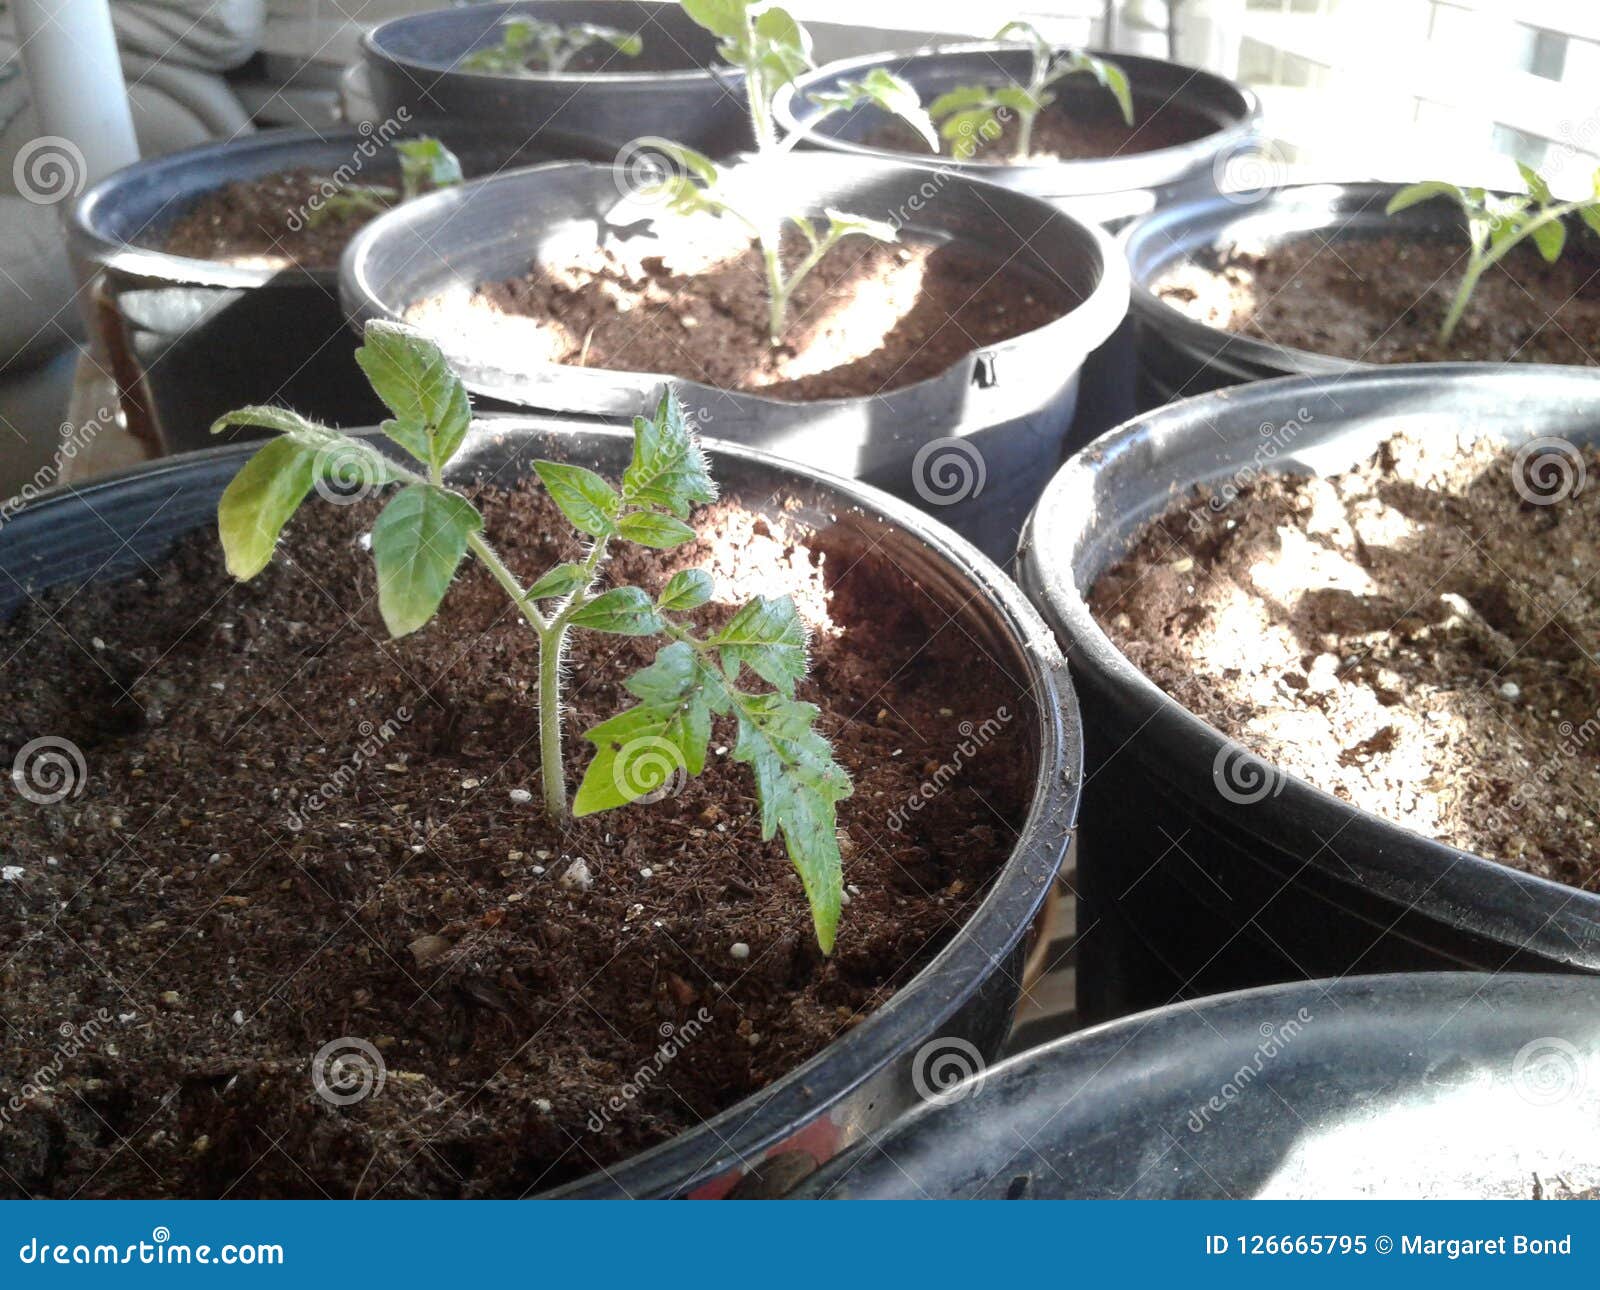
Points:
point(1075, 131)
point(1414, 636)
point(294, 833)
point(1382, 300)
point(265, 223)
point(871, 317)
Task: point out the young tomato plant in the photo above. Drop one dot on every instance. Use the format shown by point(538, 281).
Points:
point(965, 113)
point(1495, 224)
point(425, 164)
point(772, 49)
point(428, 528)
point(697, 185)
point(529, 46)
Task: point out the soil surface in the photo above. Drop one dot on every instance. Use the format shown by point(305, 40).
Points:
point(1382, 300)
point(295, 833)
point(265, 223)
point(871, 317)
point(1415, 637)
point(1079, 131)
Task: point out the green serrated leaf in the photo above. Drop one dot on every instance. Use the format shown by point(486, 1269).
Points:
point(648, 528)
point(622, 611)
point(768, 637)
point(668, 468)
point(725, 18)
point(843, 224)
point(432, 413)
point(1537, 188)
point(562, 580)
point(638, 752)
point(259, 501)
point(686, 589)
point(1416, 194)
point(1550, 239)
point(417, 543)
point(960, 99)
point(798, 784)
point(284, 420)
point(585, 499)
point(425, 164)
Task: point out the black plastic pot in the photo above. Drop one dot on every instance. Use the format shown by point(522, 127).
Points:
point(676, 86)
point(1201, 869)
point(1406, 1087)
point(191, 339)
point(973, 445)
point(1106, 189)
point(862, 1080)
point(1180, 356)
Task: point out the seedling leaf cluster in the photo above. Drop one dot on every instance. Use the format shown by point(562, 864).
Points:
point(426, 529)
point(529, 46)
point(965, 113)
point(1496, 224)
point(425, 164)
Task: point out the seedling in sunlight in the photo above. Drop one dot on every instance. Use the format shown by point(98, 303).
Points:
point(772, 49)
point(530, 46)
point(1495, 224)
point(425, 164)
point(968, 112)
point(428, 528)
point(694, 184)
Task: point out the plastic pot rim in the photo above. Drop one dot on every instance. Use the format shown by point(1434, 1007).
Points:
point(1026, 175)
point(744, 1131)
point(1068, 508)
point(1083, 328)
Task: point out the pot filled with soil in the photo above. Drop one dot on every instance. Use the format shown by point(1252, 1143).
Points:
point(1081, 151)
point(609, 69)
point(1335, 638)
point(1316, 279)
point(355, 956)
point(941, 366)
point(214, 271)
point(1450, 1085)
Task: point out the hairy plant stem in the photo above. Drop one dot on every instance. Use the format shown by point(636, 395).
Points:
point(1481, 264)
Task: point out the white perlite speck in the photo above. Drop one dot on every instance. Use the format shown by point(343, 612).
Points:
point(521, 796)
point(739, 950)
point(577, 877)
point(1510, 690)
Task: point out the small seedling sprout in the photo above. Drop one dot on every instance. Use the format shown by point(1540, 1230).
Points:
point(1496, 224)
point(425, 164)
point(530, 46)
point(427, 529)
point(965, 112)
point(694, 184)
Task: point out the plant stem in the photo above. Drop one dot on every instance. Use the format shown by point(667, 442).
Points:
point(1024, 137)
point(552, 773)
point(1482, 264)
point(777, 292)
